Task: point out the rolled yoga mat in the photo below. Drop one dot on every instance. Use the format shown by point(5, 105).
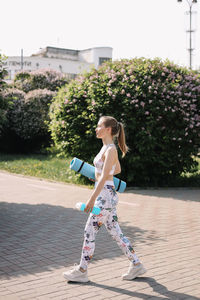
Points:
point(89, 171)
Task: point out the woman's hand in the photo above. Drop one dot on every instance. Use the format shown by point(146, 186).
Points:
point(89, 205)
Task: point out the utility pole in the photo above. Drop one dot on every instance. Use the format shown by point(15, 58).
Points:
point(22, 59)
point(190, 30)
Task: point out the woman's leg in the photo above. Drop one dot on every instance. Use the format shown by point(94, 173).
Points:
point(92, 227)
point(114, 229)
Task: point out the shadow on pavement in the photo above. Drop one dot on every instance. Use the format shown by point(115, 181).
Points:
point(155, 285)
point(39, 238)
point(184, 194)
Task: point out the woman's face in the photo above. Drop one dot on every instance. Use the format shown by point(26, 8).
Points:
point(101, 130)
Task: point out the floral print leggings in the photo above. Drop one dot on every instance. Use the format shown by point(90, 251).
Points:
point(107, 201)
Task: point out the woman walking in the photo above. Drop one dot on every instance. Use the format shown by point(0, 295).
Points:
point(104, 196)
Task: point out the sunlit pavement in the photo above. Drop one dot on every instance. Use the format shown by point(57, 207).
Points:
point(41, 235)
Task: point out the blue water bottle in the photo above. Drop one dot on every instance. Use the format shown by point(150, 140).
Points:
point(81, 206)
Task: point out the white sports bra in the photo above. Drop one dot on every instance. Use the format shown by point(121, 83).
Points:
point(98, 162)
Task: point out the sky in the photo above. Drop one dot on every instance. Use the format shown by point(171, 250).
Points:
point(142, 28)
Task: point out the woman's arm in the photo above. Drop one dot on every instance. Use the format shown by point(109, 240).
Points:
point(108, 163)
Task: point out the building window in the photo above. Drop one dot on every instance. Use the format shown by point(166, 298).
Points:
point(103, 59)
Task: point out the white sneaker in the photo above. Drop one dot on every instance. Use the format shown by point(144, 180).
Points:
point(134, 271)
point(76, 275)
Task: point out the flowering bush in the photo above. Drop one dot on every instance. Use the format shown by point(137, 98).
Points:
point(27, 119)
point(3, 71)
point(3, 103)
point(14, 99)
point(39, 79)
point(3, 107)
point(157, 101)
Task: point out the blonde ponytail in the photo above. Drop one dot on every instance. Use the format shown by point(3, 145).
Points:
point(122, 140)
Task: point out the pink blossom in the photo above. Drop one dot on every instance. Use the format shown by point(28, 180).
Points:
point(66, 101)
point(193, 106)
point(142, 103)
point(128, 95)
point(147, 113)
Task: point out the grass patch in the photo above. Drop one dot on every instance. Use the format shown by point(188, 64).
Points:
point(42, 166)
point(55, 168)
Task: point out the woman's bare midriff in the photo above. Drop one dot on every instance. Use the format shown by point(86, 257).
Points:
point(98, 175)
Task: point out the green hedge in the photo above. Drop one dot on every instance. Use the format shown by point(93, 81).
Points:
point(26, 107)
point(39, 79)
point(3, 104)
point(28, 116)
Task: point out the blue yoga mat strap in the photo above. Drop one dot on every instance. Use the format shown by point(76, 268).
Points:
point(119, 185)
point(81, 166)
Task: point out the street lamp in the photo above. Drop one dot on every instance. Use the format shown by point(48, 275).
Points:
point(190, 3)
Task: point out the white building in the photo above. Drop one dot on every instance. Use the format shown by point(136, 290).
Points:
point(70, 62)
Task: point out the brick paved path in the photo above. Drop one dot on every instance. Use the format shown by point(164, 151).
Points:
point(41, 235)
